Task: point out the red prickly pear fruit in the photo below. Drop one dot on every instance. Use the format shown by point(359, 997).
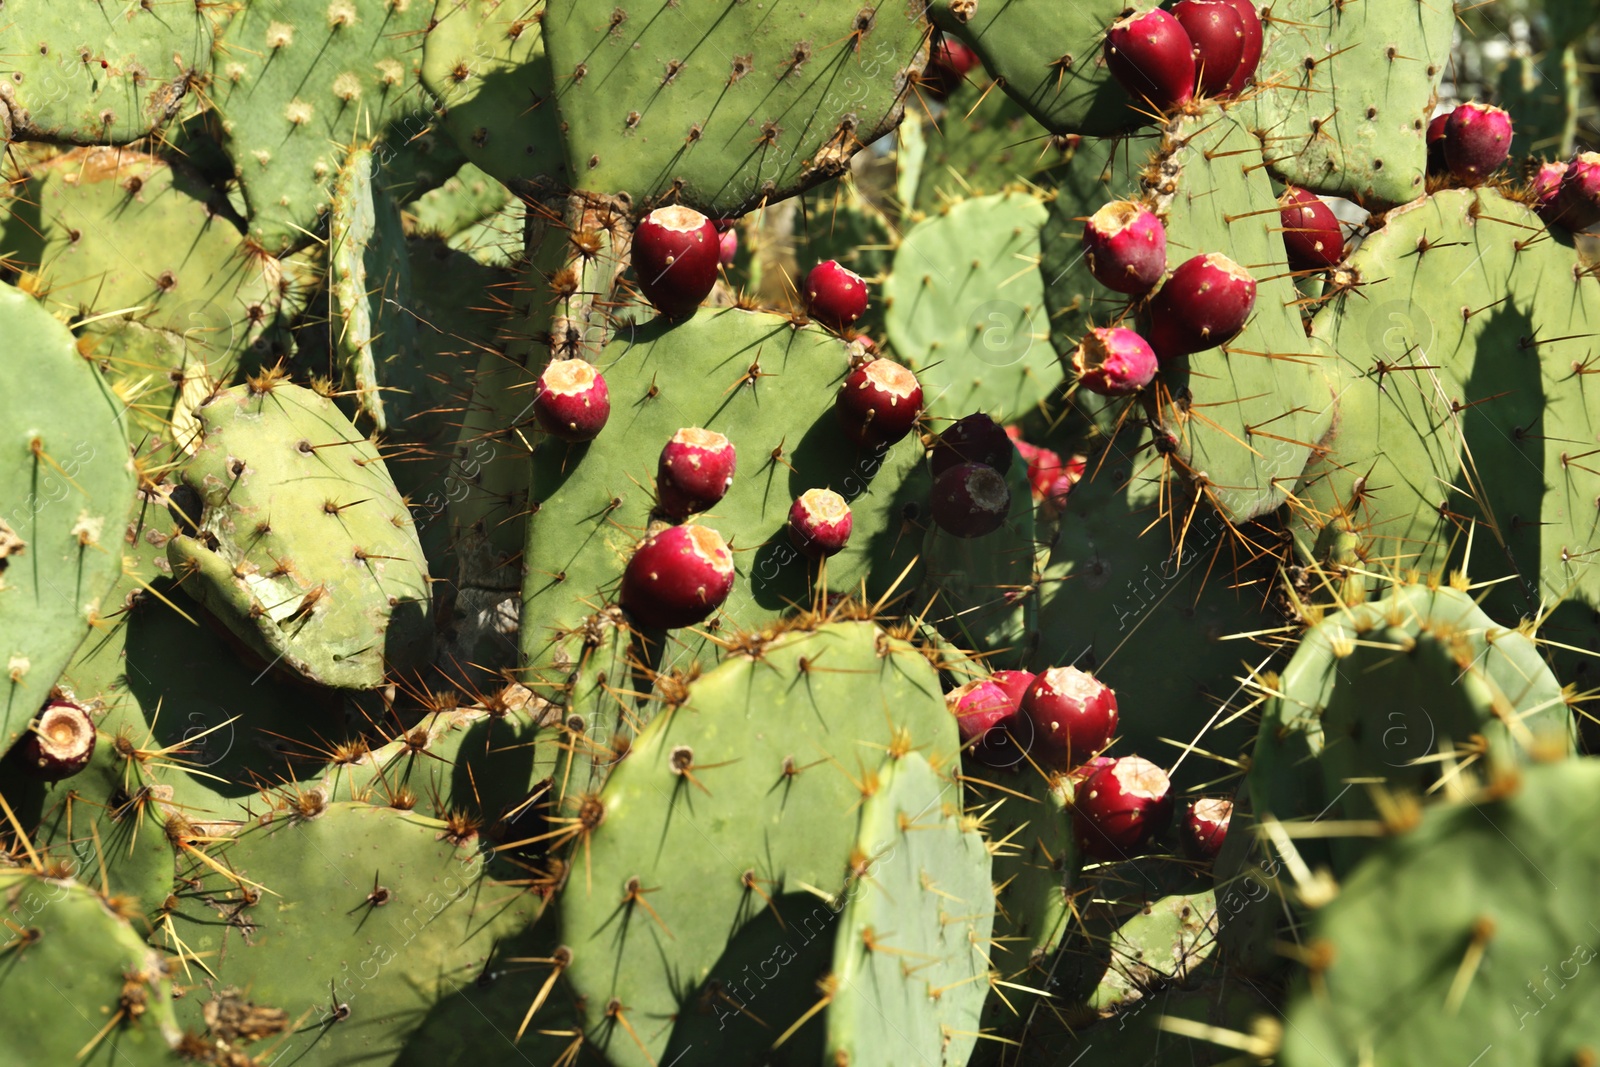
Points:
point(974, 438)
point(979, 706)
point(1477, 139)
point(1016, 685)
point(727, 247)
point(1120, 807)
point(573, 402)
point(1547, 182)
point(1576, 204)
point(675, 257)
point(695, 471)
point(1202, 304)
point(1043, 466)
point(878, 403)
point(1114, 362)
point(949, 66)
point(970, 500)
point(819, 523)
point(60, 743)
point(1029, 451)
point(1205, 825)
point(1084, 770)
point(1217, 32)
point(1053, 501)
point(1435, 136)
point(1125, 247)
point(835, 296)
point(1074, 715)
point(677, 577)
point(1250, 57)
point(1311, 233)
point(1152, 57)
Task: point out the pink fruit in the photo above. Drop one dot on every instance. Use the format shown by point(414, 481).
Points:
point(60, 743)
point(573, 402)
point(1250, 57)
point(1152, 57)
point(1576, 204)
point(1477, 139)
point(675, 257)
point(952, 61)
point(1311, 234)
point(695, 471)
point(677, 577)
point(1074, 714)
point(970, 500)
point(727, 247)
point(979, 706)
point(1125, 247)
point(1202, 304)
point(974, 438)
point(878, 403)
point(1082, 771)
point(1121, 806)
point(835, 296)
point(1015, 683)
point(1043, 466)
point(1206, 825)
point(1053, 501)
point(819, 523)
point(1547, 182)
point(1114, 362)
point(1216, 30)
point(1435, 136)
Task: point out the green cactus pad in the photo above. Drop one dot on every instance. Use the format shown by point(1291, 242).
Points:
point(115, 230)
point(914, 939)
point(1344, 92)
point(484, 64)
point(415, 159)
point(67, 485)
point(80, 985)
point(966, 308)
point(1374, 690)
point(1120, 593)
point(1167, 941)
point(1467, 280)
point(297, 85)
point(1466, 933)
point(723, 109)
point(97, 75)
point(699, 373)
point(1058, 75)
point(312, 558)
point(466, 199)
point(713, 789)
point(379, 910)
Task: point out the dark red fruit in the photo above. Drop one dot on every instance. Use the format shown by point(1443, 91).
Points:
point(1217, 32)
point(1204, 303)
point(727, 247)
point(573, 402)
point(974, 438)
point(819, 523)
point(1015, 683)
point(835, 296)
point(1205, 825)
point(1074, 714)
point(1121, 806)
point(879, 403)
point(675, 257)
point(1576, 204)
point(1114, 362)
point(949, 66)
point(677, 577)
point(1152, 57)
point(1311, 233)
point(1125, 247)
point(1435, 135)
point(979, 706)
point(1545, 186)
point(60, 743)
point(970, 500)
point(1250, 57)
point(1477, 139)
point(695, 471)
